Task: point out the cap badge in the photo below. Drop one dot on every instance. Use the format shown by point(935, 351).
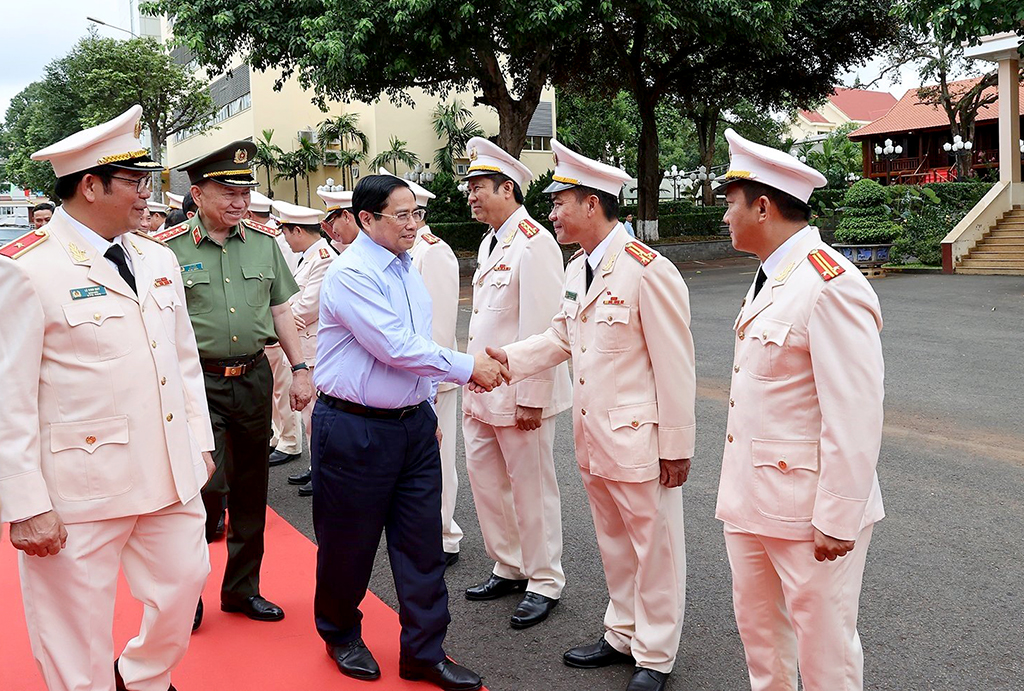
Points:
point(554, 157)
point(138, 129)
point(241, 156)
point(473, 154)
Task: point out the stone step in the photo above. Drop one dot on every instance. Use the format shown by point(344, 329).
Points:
point(986, 263)
point(1002, 242)
point(989, 253)
point(974, 271)
point(1005, 233)
point(1013, 224)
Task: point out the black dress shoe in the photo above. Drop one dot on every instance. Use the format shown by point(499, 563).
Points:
point(280, 458)
point(354, 660)
point(595, 655)
point(218, 531)
point(647, 680)
point(119, 682)
point(445, 674)
point(199, 615)
point(256, 608)
point(306, 490)
point(301, 478)
point(450, 559)
point(495, 587)
point(533, 609)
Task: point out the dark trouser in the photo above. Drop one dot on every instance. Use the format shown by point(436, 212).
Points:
point(240, 410)
point(371, 475)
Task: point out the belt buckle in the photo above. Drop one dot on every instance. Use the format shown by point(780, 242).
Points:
point(234, 371)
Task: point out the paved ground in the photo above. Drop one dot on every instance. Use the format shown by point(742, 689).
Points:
point(941, 607)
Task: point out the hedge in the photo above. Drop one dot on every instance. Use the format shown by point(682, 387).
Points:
point(697, 221)
point(462, 237)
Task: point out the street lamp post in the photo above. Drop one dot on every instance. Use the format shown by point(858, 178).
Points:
point(676, 176)
point(111, 26)
point(703, 176)
point(889, 153)
point(959, 150)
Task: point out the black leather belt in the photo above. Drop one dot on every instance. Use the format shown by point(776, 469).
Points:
point(366, 411)
point(232, 367)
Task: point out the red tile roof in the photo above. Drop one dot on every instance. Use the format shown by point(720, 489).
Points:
point(910, 114)
point(813, 116)
point(862, 105)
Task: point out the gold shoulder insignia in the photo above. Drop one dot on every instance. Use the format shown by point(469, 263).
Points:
point(20, 246)
point(260, 228)
point(325, 253)
point(151, 238)
point(528, 228)
point(824, 264)
point(171, 232)
point(431, 239)
point(578, 253)
point(642, 254)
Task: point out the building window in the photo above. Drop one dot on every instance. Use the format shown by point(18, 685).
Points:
point(536, 143)
point(242, 103)
point(461, 168)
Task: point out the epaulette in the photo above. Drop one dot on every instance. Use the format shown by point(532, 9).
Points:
point(431, 239)
point(325, 253)
point(578, 253)
point(260, 228)
point(172, 232)
point(642, 254)
point(151, 237)
point(16, 248)
point(528, 228)
point(825, 265)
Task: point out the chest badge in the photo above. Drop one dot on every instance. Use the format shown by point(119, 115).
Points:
point(612, 300)
point(87, 292)
point(503, 267)
point(570, 295)
point(162, 281)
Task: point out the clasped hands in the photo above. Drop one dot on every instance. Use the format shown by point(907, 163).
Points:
point(490, 369)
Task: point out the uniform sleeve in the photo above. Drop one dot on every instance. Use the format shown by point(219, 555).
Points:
point(306, 305)
point(541, 351)
point(284, 285)
point(191, 369)
point(441, 276)
point(846, 359)
point(540, 281)
point(665, 321)
point(23, 492)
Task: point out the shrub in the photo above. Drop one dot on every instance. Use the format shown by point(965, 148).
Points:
point(704, 220)
point(922, 235)
point(866, 217)
point(450, 205)
point(536, 202)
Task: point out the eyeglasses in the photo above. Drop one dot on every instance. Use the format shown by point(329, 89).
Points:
point(404, 216)
point(141, 185)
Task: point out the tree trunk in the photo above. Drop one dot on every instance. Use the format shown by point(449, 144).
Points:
point(513, 121)
point(309, 199)
point(157, 155)
point(648, 173)
point(707, 127)
point(513, 115)
point(295, 181)
point(270, 190)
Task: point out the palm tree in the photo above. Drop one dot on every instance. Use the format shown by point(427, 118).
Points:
point(344, 130)
point(452, 123)
point(344, 160)
point(395, 155)
point(267, 156)
point(309, 155)
point(290, 167)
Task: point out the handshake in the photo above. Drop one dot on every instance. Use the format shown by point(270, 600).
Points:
point(490, 369)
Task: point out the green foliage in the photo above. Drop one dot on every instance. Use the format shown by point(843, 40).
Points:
point(344, 129)
point(865, 194)
point(450, 205)
point(536, 202)
point(866, 217)
point(838, 157)
point(922, 234)
point(267, 155)
point(308, 157)
point(598, 127)
point(395, 153)
point(454, 124)
point(704, 220)
point(969, 20)
point(462, 237)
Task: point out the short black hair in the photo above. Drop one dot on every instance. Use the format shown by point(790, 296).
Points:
point(609, 202)
point(175, 217)
point(264, 214)
point(188, 203)
point(67, 185)
point(499, 179)
point(42, 206)
point(371, 194)
point(790, 208)
point(311, 228)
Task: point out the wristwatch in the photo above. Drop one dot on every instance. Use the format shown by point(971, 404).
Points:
point(301, 365)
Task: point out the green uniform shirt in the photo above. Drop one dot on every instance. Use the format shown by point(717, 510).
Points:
point(231, 288)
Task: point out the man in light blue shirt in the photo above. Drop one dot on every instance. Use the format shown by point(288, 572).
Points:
point(376, 460)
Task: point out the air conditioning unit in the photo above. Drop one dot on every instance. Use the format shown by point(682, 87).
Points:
point(309, 134)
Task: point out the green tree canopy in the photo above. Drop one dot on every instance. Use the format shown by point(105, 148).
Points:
point(393, 155)
point(454, 124)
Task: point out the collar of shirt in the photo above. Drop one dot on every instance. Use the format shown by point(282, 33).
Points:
point(775, 259)
point(513, 220)
point(236, 230)
point(314, 248)
point(595, 257)
point(379, 257)
point(95, 239)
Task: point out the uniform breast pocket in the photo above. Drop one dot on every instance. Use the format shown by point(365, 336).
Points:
point(571, 309)
point(91, 459)
point(198, 292)
point(785, 478)
point(500, 285)
point(258, 280)
point(167, 300)
point(769, 349)
point(98, 329)
point(612, 328)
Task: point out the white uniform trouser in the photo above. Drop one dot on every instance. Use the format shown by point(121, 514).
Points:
point(643, 548)
point(512, 473)
point(447, 411)
point(69, 598)
point(287, 435)
point(790, 607)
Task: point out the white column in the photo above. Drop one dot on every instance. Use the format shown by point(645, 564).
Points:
point(1009, 121)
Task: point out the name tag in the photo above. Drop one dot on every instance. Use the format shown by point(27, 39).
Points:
point(87, 292)
point(570, 295)
point(192, 267)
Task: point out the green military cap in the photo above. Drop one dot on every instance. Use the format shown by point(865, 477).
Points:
point(229, 165)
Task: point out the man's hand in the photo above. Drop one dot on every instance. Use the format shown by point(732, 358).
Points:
point(40, 536)
point(300, 323)
point(301, 392)
point(210, 465)
point(826, 547)
point(488, 373)
point(438, 434)
point(674, 472)
point(528, 418)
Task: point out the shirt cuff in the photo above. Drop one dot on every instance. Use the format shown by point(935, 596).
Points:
point(462, 368)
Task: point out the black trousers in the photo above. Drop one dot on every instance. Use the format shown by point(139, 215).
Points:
point(372, 476)
point(240, 409)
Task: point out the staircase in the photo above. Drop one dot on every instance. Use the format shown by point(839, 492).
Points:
point(1000, 250)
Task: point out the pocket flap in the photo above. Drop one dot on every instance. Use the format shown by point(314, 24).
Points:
point(92, 311)
point(612, 314)
point(786, 455)
point(770, 331)
point(633, 415)
point(571, 308)
point(165, 297)
point(88, 435)
point(258, 272)
point(500, 278)
point(192, 278)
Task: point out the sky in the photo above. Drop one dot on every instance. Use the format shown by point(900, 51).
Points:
point(37, 31)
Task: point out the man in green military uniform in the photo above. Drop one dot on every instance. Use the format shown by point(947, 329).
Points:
point(237, 287)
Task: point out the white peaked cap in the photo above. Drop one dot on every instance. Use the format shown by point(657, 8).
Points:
point(259, 203)
point(115, 142)
point(487, 158)
point(292, 213)
point(576, 170)
point(335, 200)
point(422, 194)
point(157, 207)
point(760, 163)
point(174, 201)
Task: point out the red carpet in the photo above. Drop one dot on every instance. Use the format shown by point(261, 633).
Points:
point(230, 652)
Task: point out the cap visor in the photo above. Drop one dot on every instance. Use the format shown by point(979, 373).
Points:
point(234, 182)
point(145, 165)
point(478, 173)
point(556, 186)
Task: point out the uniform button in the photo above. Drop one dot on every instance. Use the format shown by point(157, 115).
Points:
point(232, 310)
point(732, 403)
point(583, 411)
point(188, 282)
point(764, 335)
point(582, 381)
point(234, 338)
point(170, 416)
point(583, 318)
point(224, 251)
point(736, 368)
point(163, 381)
point(480, 282)
point(476, 311)
point(153, 343)
point(583, 348)
point(97, 316)
point(90, 440)
point(261, 275)
point(635, 424)
point(227, 280)
point(741, 335)
point(729, 438)
point(471, 338)
point(782, 465)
